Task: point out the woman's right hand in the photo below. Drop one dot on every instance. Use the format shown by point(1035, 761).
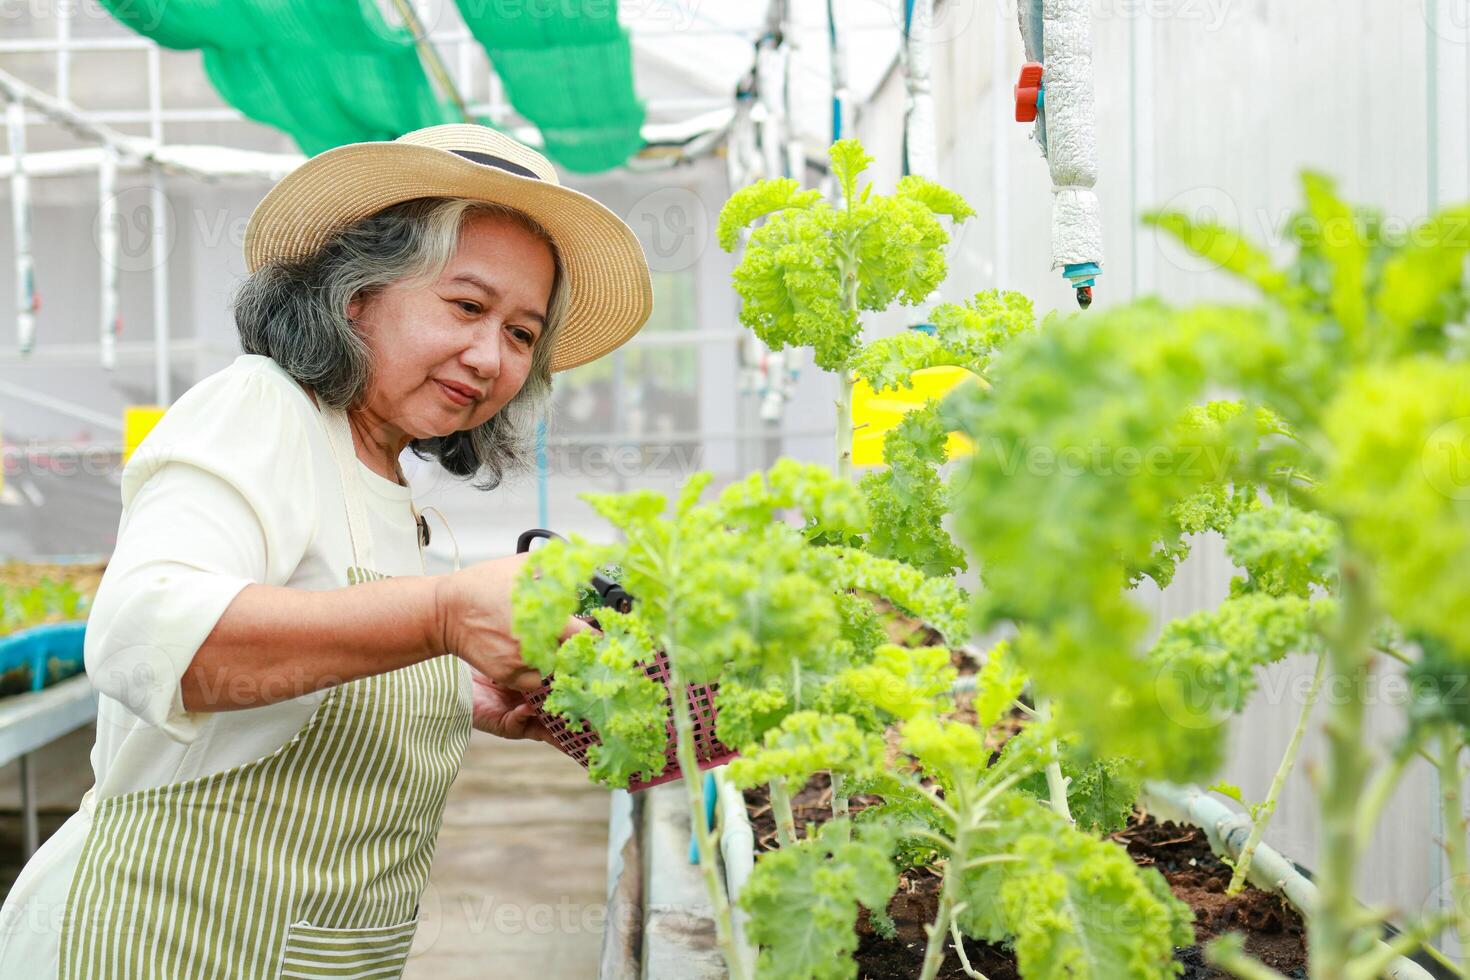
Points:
point(475, 618)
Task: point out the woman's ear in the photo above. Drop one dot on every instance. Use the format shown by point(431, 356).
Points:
point(354, 308)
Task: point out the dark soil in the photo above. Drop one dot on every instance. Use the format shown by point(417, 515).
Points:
point(1273, 931)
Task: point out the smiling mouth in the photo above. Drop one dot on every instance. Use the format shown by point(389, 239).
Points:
point(457, 395)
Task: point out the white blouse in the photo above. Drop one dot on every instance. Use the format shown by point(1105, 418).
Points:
point(236, 484)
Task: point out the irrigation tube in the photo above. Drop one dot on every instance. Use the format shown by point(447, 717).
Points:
point(1227, 831)
point(737, 848)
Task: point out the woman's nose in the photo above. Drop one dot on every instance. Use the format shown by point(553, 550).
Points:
point(483, 356)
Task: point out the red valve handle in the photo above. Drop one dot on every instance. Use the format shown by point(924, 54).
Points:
point(1028, 91)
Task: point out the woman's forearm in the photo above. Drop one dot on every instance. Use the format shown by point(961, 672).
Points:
point(273, 643)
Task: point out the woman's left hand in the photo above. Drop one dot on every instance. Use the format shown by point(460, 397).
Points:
point(503, 711)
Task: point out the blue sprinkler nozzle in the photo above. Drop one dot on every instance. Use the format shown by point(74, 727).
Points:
point(1083, 276)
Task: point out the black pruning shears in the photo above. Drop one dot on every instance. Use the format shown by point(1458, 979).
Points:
point(612, 594)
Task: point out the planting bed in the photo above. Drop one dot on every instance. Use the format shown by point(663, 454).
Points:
point(1274, 932)
point(41, 609)
point(85, 576)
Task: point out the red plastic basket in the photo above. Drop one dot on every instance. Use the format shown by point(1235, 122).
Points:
point(709, 750)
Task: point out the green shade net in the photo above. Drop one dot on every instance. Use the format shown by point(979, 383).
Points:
point(327, 72)
point(567, 67)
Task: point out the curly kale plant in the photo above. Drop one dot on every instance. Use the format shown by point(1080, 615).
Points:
point(733, 595)
point(1337, 476)
point(808, 271)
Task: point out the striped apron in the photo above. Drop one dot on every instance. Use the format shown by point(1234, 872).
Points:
point(306, 863)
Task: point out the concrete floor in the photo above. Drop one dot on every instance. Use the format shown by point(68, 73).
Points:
point(518, 880)
point(518, 884)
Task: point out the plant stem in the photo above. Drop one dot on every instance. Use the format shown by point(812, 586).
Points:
point(934, 951)
point(781, 810)
point(709, 858)
point(1454, 831)
point(1377, 959)
point(839, 801)
point(844, 470)
point(844, 376)
point(1056, 784)
point(938, 802)
point(1262, 816)
point(959, 948)
point(1434, 953)
point(1335, 937)
point(1376, 796)
point(844, 425)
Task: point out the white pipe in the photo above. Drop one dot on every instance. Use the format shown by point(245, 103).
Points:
point(1002, 119)
point(1227, 832)
point(67, 115)
point(127, 352)
point(57, 405)
point(1141, 137)
point(207, 163)
point(770, 67)
point(1071, 134)
point(20, 220)
point(63, 51)
point(737, 849)
point(837, 53)
point(159, 243)
point(107, 239)
point(923, 155)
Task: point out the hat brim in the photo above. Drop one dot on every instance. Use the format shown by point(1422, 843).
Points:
point(609, 293)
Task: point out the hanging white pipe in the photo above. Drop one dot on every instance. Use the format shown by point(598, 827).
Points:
point(772, 67)
point(923, 155)
point(1141, 137)
point(770, 61)
point(795, 149)
point(107, 238)
point(837, 57)
point(20, 220)
point(159, 244)
point(1002, 118)
point(63, 51)
point(1071, 135)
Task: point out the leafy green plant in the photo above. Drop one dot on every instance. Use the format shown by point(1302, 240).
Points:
point(777, 614)
point(807, 272)
point(1015, 869)
point(732, 594)
point(48, 601)
point(1337, 476)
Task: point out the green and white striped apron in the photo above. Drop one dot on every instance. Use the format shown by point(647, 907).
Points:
point(308, 862)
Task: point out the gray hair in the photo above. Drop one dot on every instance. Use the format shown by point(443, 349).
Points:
point(296, 314)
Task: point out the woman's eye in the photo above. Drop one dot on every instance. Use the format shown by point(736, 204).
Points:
point(523, 335)
point(469, 306)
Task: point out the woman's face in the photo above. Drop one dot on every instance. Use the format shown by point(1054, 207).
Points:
point(449, 355)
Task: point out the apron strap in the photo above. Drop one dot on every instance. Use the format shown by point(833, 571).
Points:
point(339, 436)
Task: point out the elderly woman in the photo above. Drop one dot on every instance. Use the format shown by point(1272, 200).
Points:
point(286, 695)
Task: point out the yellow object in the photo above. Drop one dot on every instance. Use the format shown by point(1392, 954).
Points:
point(138, 421)
point(874, 414)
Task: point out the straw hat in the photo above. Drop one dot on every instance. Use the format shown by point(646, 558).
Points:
point(606, 272)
